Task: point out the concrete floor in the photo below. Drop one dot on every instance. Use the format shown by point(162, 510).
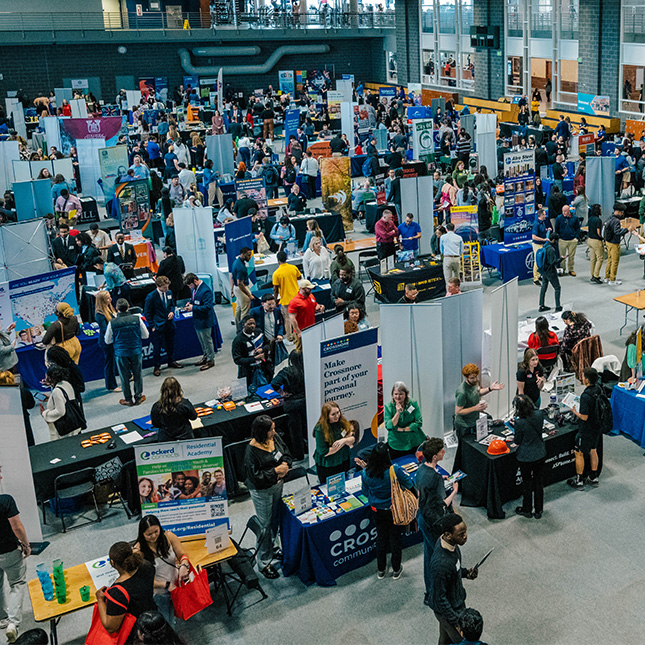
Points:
point(572, 577)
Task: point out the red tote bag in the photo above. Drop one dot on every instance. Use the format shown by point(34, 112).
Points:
point(189, 598)
point(98, 635)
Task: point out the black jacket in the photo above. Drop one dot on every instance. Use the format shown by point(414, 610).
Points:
point(448, 596)
point(173, 268)
point(243, 355)
point(260, 464)
point(528, 437)
point(130, 256)
point(613, 230)
point(65, 250)
point(175, 425)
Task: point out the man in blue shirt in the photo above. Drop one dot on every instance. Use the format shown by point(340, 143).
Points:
point(568, 230)
point(538, 238)
point(410, 234)
point(240, 286)
point(562, 129)
point(154, 152)
point(622, 167)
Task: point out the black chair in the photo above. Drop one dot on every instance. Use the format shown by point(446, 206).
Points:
point(72, 485)
point(125, 488)
point(548, 364)
point(234, 454)
point(260, 274)
point(366, 259)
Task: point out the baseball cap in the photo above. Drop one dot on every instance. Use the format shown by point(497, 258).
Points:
point(306, 284)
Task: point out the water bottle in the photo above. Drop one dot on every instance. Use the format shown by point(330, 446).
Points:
point(553, 400)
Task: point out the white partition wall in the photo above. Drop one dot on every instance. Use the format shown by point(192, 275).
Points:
point(51, 125)
point(219, 148)
point(88, 161)
point(195, 241)
point(486, 140)
point(24, 250)
point(503, 348)
point(9, 152)
point(417, 198)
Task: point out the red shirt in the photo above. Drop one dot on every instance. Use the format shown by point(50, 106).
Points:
point(305, 310)
point(535, 343)
point(386, 232)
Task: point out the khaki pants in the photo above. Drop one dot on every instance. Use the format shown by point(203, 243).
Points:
point(242, 306)
point(536, 273)
point(451, 268)
point(212, 193)
point(567, 250)
point(288, 329)
point(597, 256)
point(613, 258)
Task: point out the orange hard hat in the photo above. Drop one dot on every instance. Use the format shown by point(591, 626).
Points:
point(498, 447)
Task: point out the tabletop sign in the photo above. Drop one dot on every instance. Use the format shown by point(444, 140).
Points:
point(336, 486)
point(217, 538)
point(302, 500)
point(482, 428)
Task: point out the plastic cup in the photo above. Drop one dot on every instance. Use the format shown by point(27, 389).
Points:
point(61, 597)
point(85, 593)
point(42, 568)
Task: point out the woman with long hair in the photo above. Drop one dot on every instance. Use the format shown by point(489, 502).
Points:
point(56, 355)
point(62, 391)
point(288, 173)
point(313, 230)
point(577, 328)
point(543, 337)
point(172, 413)
point(104, 312)
point(378, 489)
point(164, 551)
point(629, 365)
point(354, 315)
point(64, 331)
point(151, 628)
point(241, 172)
point(403, 422)
point(147, 492)
point(530, 377)
point(334, 438)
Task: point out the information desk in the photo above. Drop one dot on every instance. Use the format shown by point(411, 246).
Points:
point(390, 287)
point(78, 576)
point(232, 426)
point(324, 551)
point(494, 480)
point(511, 261)
point(629, 414)
point(31, 360)
point(331, 225)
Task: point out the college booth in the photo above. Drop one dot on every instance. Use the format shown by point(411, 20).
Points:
point(510, 261)
point(389, 286)
point(629, 414)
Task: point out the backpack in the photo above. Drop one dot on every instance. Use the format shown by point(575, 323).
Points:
point(540, 256)
point(271, 175)
point(603, 415)
point(367, 168)
point(290, 175)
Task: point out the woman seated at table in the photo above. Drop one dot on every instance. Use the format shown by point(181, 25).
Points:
point(340, 261)
point(132, 591)
point(403, 422)
point(334, 438)
point(164, 551)
point(313, 230)
point(172, 413)
point(577, 327)
point(267, 462)
point(355, 318)
point(530, 377)
point(64, 331)
point(378, 489)
point(62, 391)
point(316, 261)
point(543, 337)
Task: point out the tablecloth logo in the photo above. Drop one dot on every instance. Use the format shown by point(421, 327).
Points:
point(530, 259)
point(353, 541)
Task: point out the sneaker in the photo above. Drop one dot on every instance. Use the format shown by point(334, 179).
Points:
point(592, 481)
point(537, 516)
point(543, 308)
point(381, 575)
point(520, 511)
point(4, 623)
point(558, 308)
point(614, 283)
point(397, 574)
point(537, 283)
point(596, 280)
point(605, 280)
point(12, 633)
point(576, 483)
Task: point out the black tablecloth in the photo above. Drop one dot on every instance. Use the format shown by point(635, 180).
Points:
point(331, 226)
point(233, 426)
point(373, 212)
point(390, 287)
point(507, 129)
point(493, 481)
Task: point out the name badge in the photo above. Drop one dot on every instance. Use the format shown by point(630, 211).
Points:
point(349, 290)
point(343, 434)
point(278, 455)
point(411, 409)
point(196, 302)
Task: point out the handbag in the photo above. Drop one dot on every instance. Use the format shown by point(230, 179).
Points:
point(404, 502)
point(189, 598)
point(73, 418)
point(98, 635)
point(262, 244)
point(281, 353)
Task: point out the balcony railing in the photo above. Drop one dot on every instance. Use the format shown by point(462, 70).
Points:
point(266, 18)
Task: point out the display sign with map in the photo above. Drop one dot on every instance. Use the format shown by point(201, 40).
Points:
point(34, 300)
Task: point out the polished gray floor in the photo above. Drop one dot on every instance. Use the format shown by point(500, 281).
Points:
point(574, 576)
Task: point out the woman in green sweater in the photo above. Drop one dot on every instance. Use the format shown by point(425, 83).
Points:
point(460, 174)
point(403, 422)
point(334, 438)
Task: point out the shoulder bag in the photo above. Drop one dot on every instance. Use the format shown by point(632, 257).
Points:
point(73, 418)
point(98, 635)
point(404, 502)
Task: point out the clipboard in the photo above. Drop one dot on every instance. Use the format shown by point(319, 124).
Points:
point(479, 564)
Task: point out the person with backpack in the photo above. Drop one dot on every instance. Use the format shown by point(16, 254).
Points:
point(289, 174)
point(595, 414)
point(548, 260)
point(271, 178)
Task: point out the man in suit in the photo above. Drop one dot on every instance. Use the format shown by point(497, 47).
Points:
point(248, 350)
point(270, 323)
point(201, 305)
point(123, 255)
point(64, 247)
point(159, 312)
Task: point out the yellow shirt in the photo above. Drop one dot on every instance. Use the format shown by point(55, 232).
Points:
point(285, 277)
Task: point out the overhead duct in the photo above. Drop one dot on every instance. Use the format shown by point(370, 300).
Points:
point(251, 50)
point(245, 70)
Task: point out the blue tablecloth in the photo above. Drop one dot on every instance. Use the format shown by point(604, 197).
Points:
point(301, 183)
point(567, 189)
point(324, 551)
point(510, 261)
point(31, 360)
point(629, 414)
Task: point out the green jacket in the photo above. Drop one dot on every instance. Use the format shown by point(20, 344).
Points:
point(322, 447)
point(410, 417)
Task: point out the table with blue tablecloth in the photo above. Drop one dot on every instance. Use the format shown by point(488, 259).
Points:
point(304, 189)
point(31, 360)
point(511, 261)
point(567, 189)
point(324, 551)
point(629, 413)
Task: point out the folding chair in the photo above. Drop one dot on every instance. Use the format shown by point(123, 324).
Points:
point(75, 484)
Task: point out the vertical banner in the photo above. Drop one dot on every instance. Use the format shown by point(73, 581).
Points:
point(134, 204)
point(334, 100)
point(286, 82)
point(219, 148)
point(239, 234)
point(519, 195)
point(336, 185)
point(161, 88)
point(423, 140)
point(220, 90)
point(255, 189)
point(183, 484)
point(301, 77)
point(466, 222)
point(471, 268)
point(114, 167)
point(348, 376)
point(346, 87)
point(291, 122)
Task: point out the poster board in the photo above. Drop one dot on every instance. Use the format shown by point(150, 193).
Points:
point(423, 140)
point(113, 162)
point(256, 190)
point(334, 99)
point(336, 186)
point(519, 196)
point(134, 204)
point(471, 268)
point(286, 82)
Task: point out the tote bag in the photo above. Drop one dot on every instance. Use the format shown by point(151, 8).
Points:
point(189, 598)
point(73, 418)
point(404, 502)
point(98, 635)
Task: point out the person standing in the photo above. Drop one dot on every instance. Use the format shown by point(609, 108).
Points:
point(334, 438)
point(285, 287)
point(302, 310)
point(403, 422)
point(126, 332)
point(240, 286)
point(201, 306)
point(346, 289)
point(172, 413)
point(64, 331)
point(159, 310)
point(386, 235)
point(549, 270)
point(172, 266)
point(123, 255)
point(468, 402)
point(309, 169)
point(530, 377)
point(595, 243)
point(531, 453)
point(614, 231)
point(8, 356)
point(452, 248)
point(64, 247)
point(14, 549)
point(567, 228)
point(448, 596)
point(589, 433)
point(540, 229)
point(103, 313)
point(434, 503)
point(409, 234)
point(377, 487)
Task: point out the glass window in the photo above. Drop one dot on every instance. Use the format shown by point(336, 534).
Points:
point(514, 18)
point(633, 21)
point(568, 81)
point(427, 16)
point(447, 16)
point(448, 70)
point(467, 70)
point(632, 90)
point(514, 71)
point(429, 67)
point(569, 20)
point(541, 19)
point(466, 16)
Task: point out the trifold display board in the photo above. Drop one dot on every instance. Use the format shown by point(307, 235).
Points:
point(26, 170)
point(413, 352)
point(33, 198)
point(9, 152)
point(24, 250)
point(416, 198)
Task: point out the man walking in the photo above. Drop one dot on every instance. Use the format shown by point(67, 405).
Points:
point(386, 234)
point(201, 304)
point(241, 286)
point(14, 548)
point(567, 228)
point(614, 231)
point(159, 310)
point(540, 228)
point(126, 332)
point(550, 260)
point(285, 287)
point(452, 248)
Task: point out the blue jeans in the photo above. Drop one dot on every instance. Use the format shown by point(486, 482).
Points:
point(165, 607)
point(130, 366)
point(245, 154)
point(109, 370)
point(428, 547)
